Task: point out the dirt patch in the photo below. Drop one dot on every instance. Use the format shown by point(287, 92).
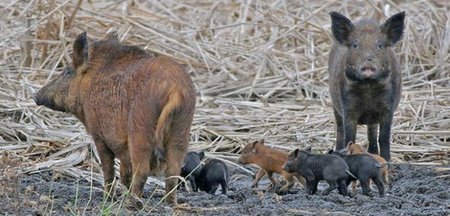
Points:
point(415, 190)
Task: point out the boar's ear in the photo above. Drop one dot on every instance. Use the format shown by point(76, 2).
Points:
point(341, 27)
point(393, 28)
point(112, 35)
point(80, 50)
point(201, 155)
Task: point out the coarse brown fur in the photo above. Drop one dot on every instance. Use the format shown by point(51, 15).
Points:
point(365, 78)
point(138, 108)
point(353, 148)
point(270, 161)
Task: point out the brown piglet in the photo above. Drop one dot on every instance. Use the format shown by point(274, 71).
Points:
point(365, 78)
point(137, 107)
point(353, 148)
point(270, 161)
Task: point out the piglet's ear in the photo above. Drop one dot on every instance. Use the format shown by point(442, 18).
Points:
point(393, 28)
point(201, 155)
point(308, 149)
point(80, 50)
point(261, 141)
point(296, 151)
point(341, 27)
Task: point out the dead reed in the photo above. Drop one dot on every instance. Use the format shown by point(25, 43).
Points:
point(260, 69)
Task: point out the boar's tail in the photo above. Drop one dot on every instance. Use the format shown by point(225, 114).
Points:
point(162, 127)
point(348, 172)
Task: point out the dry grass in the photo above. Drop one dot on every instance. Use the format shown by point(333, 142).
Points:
point(260, 69)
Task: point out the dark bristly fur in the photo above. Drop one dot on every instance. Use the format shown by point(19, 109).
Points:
point(138, 108)
point(314, 168)
point(365, 78)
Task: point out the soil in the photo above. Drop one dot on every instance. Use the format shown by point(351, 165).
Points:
point(415, 190)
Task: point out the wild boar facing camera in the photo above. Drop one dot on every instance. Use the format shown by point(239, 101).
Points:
point(365, 78)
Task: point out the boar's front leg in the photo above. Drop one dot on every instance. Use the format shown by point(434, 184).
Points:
point(107, 160)
point(349, 122)
point(372, 132)
point(385, 136)
point(339, 130)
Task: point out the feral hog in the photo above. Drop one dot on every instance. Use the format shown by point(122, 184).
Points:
point(353, 148)
point(314, 168)
point(270, 161)
point(364, 168)
point(213, 173)
point(192, 167)
point(138, 108)
point(365, 78)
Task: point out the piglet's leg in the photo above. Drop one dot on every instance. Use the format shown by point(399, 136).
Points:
point(332, 185)
point(258, 177)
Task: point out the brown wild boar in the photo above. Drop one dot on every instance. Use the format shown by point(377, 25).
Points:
point(138, 108)
point(270, 161)
point(353, 148)
point(365, 78)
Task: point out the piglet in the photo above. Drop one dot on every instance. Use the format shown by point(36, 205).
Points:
point(314, 168)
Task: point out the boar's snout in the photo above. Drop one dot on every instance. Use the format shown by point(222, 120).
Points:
point(368, 72)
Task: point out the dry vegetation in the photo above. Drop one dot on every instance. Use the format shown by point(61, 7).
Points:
point(260, 69)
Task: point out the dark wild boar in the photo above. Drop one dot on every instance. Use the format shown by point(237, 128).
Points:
point(314, 168)
point(192, 167)
point(214, 173)
point(138, 108)
point(364, 168)
point(365, 78)
point(270, 161)
point(353, 148)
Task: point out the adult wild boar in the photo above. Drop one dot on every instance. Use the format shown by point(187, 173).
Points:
point(365, 78)
point(138, 108)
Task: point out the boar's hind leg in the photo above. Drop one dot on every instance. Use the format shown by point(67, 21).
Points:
point(384, 138)
point(176, 147)
point(372, 132)
point(140, 153)
point(107, 160)
point(126, 172)
point(339, 130)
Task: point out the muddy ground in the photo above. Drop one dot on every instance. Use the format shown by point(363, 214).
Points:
point(415, 190)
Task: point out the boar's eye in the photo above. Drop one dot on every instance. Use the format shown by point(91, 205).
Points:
point(380, 45)
point(355, 45)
